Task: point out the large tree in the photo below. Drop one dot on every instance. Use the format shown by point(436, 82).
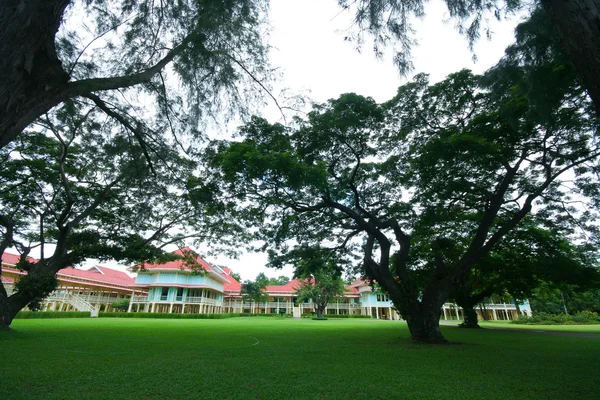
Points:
point(472, 155)
point(574, 22)
point(77, 187)
point(186, 58)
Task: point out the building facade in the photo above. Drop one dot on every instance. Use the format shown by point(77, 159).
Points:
point(192, 285)
point(93, 289)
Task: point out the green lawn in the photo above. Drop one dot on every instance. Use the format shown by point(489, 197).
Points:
point(554, 328)
point(266, 358)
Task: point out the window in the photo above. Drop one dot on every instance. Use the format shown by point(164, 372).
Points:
point(179, 294)
point(383, 297)
point(164, 294)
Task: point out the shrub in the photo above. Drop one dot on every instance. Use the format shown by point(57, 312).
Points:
point(121, 305)
point(165, 315)
point(312, 315)
point(542, 318)
point(346, 316)
point(52, 314)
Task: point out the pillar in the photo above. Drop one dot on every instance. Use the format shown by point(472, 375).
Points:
point(131, 301)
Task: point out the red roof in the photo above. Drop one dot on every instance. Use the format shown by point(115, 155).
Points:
point(350, 289)
point(99, 274)
point(7, 279)
point(179, 264)
point(13, 259)
point(289, 287)
point(233, 285)
point(183, 266)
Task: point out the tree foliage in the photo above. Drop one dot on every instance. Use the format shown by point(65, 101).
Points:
point(528, 258)
point(253, 292)
point(574, 25)
point(76, 187)
point(425, 185)
point(187, 58)
point(320, 275)
point(121, 305)
point(389, 22)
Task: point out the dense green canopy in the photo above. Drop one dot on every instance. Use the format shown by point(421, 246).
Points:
point(462, 161)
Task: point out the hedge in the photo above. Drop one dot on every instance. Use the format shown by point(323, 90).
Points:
point(164, 315)
point(542, 318)
point(52, 314)
point(280, 315)
point(346, 316)
point(337, 316)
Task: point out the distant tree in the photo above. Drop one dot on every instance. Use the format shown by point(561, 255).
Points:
point(262, 280)
point(121, 305)
point(252, 292)
point(528, 257)
point(321, 287)
point(280, 280)
point(236, 276)
point(568, 299)
point(319, 272)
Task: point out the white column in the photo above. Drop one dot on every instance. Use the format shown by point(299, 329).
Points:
point(495, 315)
point(131, 301)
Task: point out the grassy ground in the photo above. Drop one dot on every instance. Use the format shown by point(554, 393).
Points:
point(555, 328)
point(266, 358)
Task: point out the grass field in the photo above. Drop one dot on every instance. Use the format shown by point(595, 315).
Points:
point(267, 358)
point(553, 328)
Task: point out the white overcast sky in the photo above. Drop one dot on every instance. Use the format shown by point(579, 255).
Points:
point(309, 48)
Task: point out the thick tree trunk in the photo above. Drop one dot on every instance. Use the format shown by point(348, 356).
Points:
point(424, 324)
point(471, 320)
point(319, 310)
point(30, 69)
point(9, 307)
point(577, 25)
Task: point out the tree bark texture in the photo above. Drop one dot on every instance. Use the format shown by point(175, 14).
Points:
point(422, 318)
point(9, 307)
point(319, 308)
point(29, 66)
point(424, 324)
point(40, 282)
point(471, 320)
point(577, 25)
